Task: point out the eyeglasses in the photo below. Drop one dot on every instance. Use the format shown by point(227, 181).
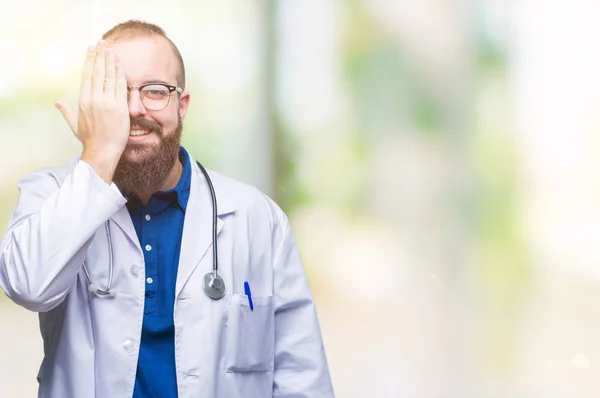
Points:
point(155, 96)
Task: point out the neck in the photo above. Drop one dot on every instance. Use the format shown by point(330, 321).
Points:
point(168, 183)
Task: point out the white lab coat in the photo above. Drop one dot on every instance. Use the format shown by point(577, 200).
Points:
point(222, 349)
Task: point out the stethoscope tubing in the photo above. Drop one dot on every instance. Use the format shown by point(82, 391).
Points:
point(110, 292)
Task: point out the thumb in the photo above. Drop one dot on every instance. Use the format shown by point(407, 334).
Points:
point(69, 115)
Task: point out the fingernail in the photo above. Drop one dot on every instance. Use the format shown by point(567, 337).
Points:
point(57, 105)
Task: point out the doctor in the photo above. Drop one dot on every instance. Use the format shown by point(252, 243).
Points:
point(115, 252)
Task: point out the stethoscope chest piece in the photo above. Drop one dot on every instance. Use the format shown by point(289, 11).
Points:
point(214, 285)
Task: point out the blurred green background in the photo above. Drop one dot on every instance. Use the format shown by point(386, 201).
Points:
point(438, 160)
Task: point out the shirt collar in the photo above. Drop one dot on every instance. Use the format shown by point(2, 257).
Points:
point(181, 191)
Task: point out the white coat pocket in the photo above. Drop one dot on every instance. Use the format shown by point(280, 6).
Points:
point(250, 335)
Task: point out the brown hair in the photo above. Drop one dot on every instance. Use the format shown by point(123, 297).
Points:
point(133, 28)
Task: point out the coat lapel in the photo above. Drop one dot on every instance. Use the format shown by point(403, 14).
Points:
point(123, 220)
point(198, 224)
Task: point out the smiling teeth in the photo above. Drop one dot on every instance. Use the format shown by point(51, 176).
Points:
point(138, 132)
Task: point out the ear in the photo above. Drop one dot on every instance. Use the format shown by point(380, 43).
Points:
point(184, 102)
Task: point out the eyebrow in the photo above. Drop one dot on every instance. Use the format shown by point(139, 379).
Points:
point(155, 82)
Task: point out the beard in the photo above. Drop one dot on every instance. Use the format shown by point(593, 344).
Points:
point(143, 168)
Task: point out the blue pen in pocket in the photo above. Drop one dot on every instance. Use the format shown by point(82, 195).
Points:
point(249, 294)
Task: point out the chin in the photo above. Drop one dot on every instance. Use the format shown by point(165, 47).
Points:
point(136, 153)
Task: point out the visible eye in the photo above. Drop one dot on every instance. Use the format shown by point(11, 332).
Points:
point(155, 92)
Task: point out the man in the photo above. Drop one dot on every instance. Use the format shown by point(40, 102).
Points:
point(112, 250)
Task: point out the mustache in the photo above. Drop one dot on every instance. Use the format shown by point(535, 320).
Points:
point(145, 124)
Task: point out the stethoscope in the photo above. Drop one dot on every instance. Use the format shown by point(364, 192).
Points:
point(213, 284)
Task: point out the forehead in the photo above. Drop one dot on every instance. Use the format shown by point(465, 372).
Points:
point(146, 59)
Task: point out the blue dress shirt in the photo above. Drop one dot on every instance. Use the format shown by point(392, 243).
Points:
point(159, 227)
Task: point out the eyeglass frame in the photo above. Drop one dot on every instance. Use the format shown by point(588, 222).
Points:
point(169, 87)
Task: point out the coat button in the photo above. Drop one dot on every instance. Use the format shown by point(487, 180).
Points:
point(128, 346)
point(135, 271)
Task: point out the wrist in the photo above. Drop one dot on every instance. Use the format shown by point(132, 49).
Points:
point(106, 153)
point(104, 163)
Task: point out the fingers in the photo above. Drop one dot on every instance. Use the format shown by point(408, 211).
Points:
point(99, 69)
point(69, 114)
point(110, 81)
point(121, 85)
point(88, 71)
point(102, 121)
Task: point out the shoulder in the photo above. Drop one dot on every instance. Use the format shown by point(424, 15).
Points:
point(246, 198)
point(49, 176)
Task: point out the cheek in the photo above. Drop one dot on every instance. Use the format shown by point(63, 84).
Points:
point(169, 126)
point(167, 121)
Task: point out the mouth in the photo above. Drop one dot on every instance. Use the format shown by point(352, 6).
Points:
point(138, 133)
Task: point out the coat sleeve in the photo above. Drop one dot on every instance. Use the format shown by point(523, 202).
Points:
point(44, 246)
point(301, 369)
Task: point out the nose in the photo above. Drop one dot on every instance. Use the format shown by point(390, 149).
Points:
point(136, 107)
